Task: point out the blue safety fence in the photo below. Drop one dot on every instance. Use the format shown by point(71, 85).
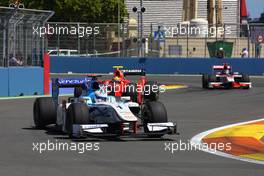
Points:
point(153, 65)
point(17, 81)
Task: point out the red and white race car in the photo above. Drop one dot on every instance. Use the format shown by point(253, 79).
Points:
point(139, 91)
point(223, 77)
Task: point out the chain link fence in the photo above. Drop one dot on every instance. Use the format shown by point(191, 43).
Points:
point(26, 37)
point(82, 39)
point(18, 44)
point(92, 40)
point(203, 41)
point(105, 40)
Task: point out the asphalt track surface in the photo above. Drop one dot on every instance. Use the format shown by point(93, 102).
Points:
point(194, 109)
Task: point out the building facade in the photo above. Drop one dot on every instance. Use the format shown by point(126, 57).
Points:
point(173, 12)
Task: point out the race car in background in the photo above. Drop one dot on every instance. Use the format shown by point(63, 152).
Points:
point(223, 77)
point(92, 112)
point(135, 90)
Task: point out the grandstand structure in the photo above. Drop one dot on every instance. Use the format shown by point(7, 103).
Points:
point(173, 12)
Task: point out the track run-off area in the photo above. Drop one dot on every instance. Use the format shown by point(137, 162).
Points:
point(194, 109)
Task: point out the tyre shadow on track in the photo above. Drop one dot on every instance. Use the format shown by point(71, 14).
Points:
point(53, 131)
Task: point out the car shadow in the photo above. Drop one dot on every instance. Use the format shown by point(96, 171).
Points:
point(57, 134)
point(48, 130)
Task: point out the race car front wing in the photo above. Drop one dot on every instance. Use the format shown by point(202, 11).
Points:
point(233, 85)
point(100, 130)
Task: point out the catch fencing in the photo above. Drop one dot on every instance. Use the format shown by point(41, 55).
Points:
point(25, 36)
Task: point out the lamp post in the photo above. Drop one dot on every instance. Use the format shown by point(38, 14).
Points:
point(118, 26)
point(140, 27)
point(216, 21)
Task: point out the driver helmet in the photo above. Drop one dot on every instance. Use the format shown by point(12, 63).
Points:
point(118, 75)
point(117, 78)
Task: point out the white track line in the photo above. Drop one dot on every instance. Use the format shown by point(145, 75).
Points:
point(197, 141)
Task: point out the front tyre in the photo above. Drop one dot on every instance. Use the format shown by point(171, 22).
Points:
point(77, 113)
point(154, 112)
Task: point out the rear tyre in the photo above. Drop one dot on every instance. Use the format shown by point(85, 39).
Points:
point(44, 112)
point(77, 113)
point(205, 81)
point(154, 112)
point(131, 91)
point(151, 95)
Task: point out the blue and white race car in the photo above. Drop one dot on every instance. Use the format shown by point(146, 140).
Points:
point(92, 112)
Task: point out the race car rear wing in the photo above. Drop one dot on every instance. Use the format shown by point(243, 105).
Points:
point(221, 67)
point(58, 83)
point(140, 72)
point(130, 72)
point(70, 82)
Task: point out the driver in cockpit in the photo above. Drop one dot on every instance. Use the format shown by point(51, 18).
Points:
point(98, 93)
point(226, 69)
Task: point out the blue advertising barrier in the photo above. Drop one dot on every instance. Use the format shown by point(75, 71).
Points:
point(4, 82)
point(18, 81)
point(153, 65)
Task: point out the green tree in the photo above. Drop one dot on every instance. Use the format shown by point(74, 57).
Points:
point(109, 12)
point(4, 2)
point(91, 11)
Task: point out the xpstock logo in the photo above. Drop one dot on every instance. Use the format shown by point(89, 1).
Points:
point(79, 30)
point(147, 89)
